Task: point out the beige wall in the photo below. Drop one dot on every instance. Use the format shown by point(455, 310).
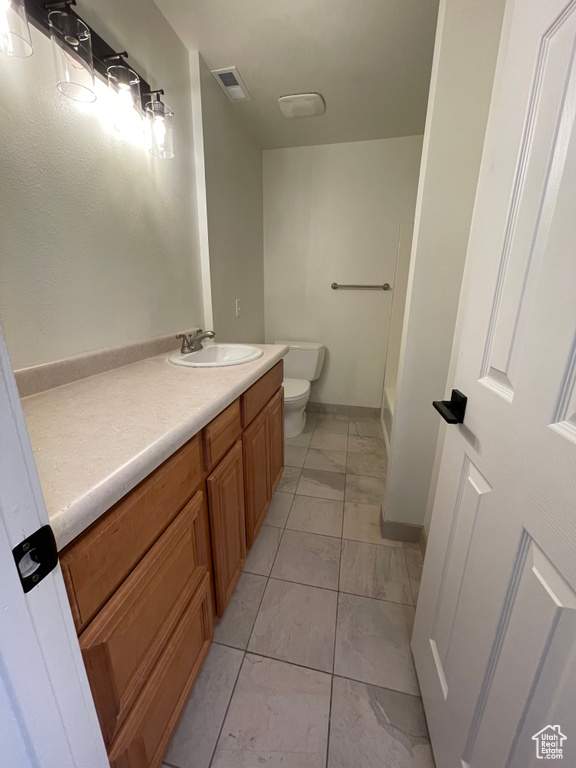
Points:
point(462, 76)
point(233, 185)
point(98, 240)
point(332, 214)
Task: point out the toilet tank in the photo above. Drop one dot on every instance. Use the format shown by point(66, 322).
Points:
point(304, 360)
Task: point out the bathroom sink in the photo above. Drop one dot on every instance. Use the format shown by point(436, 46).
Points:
point(218, 355)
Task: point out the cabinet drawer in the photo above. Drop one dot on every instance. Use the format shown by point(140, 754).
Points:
point(144, 736)
point(97, 562)
point(255, 398)
point(124, 641)
point(221, 434)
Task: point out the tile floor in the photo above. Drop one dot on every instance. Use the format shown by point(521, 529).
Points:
point(311, 664)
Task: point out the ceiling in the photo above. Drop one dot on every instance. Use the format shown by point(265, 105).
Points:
point(370, 59)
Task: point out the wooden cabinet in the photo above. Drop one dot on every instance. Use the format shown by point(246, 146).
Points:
point(98, 561)
point(255, 443)
point(122, 644)
point(276, 438)
point(225, 488)
point(145, 579)
point(263, 446)
point(144, 737)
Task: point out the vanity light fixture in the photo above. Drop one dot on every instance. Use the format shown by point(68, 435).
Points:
point(72, 48)
point(15, 37)
point(126, 83)
point(160, 123)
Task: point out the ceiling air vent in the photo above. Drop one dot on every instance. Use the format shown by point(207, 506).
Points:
point(232, 84)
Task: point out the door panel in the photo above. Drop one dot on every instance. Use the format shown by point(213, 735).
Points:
point(276, 438)
point(494, 638)
point(256, 473)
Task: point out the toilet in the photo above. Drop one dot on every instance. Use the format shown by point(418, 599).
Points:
point(302, 364)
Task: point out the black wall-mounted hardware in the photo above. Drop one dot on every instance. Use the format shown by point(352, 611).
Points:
point(38, 15)
point(36, 557)
point(452, 410)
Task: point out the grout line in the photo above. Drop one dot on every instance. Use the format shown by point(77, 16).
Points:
point(286, 661)
point(382, 687)
point(227, 708)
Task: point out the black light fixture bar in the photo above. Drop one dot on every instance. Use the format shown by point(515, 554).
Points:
point(37, 11)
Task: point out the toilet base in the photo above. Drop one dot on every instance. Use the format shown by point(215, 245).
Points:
point(294, 423)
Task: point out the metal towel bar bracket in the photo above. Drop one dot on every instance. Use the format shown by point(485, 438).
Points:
point(385, 287)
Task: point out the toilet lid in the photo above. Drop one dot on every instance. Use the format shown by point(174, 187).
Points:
point(294, 388)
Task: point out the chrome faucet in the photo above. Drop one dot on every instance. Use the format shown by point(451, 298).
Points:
point(193, 343)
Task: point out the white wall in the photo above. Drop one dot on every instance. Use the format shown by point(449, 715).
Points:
point(98, 240)
point(462, 77)
point(332, 214)
point(233, 176)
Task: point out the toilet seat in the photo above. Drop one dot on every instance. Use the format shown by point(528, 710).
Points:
point(295, 389)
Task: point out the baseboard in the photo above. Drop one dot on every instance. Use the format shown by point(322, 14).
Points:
point(400, 531)
point(353, 411)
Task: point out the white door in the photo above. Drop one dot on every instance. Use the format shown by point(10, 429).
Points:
point(495, 633)
point(47, 716)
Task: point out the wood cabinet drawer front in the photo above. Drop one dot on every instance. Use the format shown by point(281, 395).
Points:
point(98, 561)
point(255, 398)
point(221, 434)
point(276, 438)
point(124, 641)
point(144, 736)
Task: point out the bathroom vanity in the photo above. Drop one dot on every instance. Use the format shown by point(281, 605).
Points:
point(148, 577)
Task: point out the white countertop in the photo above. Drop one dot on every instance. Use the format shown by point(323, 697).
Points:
point(97, 438)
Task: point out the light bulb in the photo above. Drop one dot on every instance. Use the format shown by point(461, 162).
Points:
point(6, 44)
point(15, 37)
point(159, 129)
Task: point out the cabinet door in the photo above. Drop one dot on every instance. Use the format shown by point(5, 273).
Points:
point(228, 524)
point(124, 641)
point(257, 484)
point(143, 738)
point(276, 438)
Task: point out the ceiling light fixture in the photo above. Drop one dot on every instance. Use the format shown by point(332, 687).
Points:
point(160, 120)
point(302, 105)
point(72, 48)
point(15, 37)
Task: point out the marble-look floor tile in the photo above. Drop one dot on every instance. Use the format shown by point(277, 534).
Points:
point(333, 424)
point(415, 564)
point(278, 717)
point(365, 427)
point(289, 480)
point(279, 509)
point(367, 464)
point(362, 523)
point(296, 623)
point(370, 445)
point(325, 485)
point(373, 570)
point(373, 643)
point(307, 558)
point(235, 626)
point(373, 727)
point(193, 742)
point(261, 557)
point(313, 515)
point(303, 439)
point(365, 490)
point(294, 455)
point(330, 461)
point(328, 441)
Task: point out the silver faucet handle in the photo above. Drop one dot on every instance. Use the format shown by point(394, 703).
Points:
point(185, 349)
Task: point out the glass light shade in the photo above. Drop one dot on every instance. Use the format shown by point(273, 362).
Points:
point(72, 49)
point(15, 37)
point(128, 107)
point(160, 118)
